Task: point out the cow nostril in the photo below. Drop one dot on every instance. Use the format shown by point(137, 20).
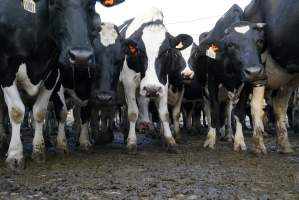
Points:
point(82, 56)
point(104, 98)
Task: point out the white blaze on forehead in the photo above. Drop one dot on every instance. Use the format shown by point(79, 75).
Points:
point(186, 53)
point(153, 37)
point(242, 29)
point(108, 34)
point(149, 15)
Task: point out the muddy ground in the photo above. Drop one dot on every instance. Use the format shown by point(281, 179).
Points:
point(195, 173)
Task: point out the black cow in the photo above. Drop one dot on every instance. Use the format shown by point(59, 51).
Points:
point(230, 56)
point(280, 58)
point(57, 34)
point(91, 90)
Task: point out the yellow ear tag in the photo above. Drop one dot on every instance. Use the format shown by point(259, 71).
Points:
point(109, 2)
point(133, 50)
point(211, 52)
point(29, 5)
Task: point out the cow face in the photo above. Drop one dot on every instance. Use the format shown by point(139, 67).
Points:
point(187, 73)
point(110, 58)
point(72, 23)
point(242, 47)
point(153, 52)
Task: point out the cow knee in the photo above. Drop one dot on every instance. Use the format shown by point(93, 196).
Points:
point(17, 114)
point(132, 116)
point(63, 116)
point(39, 116)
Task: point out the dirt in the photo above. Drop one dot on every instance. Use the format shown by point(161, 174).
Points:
point(194, 173)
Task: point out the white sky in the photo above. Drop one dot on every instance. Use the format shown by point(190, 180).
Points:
point(196, 16)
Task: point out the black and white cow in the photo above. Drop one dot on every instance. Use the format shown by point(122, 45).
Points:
point(230, 54)
point(43, 40)
point(90, 90)
point(280, 57)
point(151, 56)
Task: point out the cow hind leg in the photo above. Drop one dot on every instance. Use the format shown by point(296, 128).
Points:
point(257, 113)
point(16, 111)
point(280, 105)
point(164, 117)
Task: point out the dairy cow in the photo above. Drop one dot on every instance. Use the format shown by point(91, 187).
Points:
point(151, 57)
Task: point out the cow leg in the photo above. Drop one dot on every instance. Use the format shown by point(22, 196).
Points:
point(130, 90)
point(211, 137)
point(161, 104)
point(61, 115)
point(3, 134)
point(84, 139)
point(280, 105)
point(39, 114)
point(257, 113)
point(228, 121)
point(176, 117)
point(77, 119)
point(16, 111)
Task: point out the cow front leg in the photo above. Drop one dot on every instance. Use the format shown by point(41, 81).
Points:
point(16, 111)
point(228, 121)
point(61, 115)
point(211, 136)
point(161, 104)
point(130, 90)
point(39, 114)
point(84, 139)
point(280, 105)
point(257, 113)
point(176, 117)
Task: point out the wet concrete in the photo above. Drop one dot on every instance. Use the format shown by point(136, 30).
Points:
point(194, 173)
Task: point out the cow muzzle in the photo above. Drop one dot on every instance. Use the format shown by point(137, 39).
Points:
point(255, 75)
point(81, 56)
point(152, 91)
point(104, 98)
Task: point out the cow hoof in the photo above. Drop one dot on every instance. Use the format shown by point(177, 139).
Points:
point(85, 147)
point(260, 149)
point(286, 150)
point(209, 143)
point(240, 147)
point(132, 149)
point(15, 164)
point(178, 138)
point(172, 148)
point(38, 156)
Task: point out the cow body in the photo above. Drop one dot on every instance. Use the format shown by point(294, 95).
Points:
point(40, 42)
point(280, 58)
point(151, 58)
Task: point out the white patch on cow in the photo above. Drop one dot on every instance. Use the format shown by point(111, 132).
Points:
point(149, 15)
point(108, 34)
point(76, 99)
point(187, 72)
point(153, 37)
point(14, 102)
point(242, 29)
point(24, 82)
point(239, 143)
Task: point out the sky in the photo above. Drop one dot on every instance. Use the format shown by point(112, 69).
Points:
point(180, 16)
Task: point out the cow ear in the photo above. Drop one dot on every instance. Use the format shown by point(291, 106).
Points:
point(109, 3)
point(183, 41)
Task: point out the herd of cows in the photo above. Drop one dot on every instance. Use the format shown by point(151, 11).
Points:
point(62, 51)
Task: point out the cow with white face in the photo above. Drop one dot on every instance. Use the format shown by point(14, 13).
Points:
point(151, 55)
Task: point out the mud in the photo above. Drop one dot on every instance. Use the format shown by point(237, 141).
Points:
point(194, 173)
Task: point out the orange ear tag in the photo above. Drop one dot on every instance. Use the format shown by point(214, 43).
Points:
point(109, 2)
point(212, 51)
point(133, 50)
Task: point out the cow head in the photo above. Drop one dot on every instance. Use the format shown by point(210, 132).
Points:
point(241, 49)
point(72, 23)
point(109, 58)
point(153, 52)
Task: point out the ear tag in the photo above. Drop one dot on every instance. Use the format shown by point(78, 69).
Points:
point(133, 50)
point(29, 5)
point(212, 52)
point(109, 2)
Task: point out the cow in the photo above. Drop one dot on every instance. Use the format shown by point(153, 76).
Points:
point(151, 55)
point(34, 46)
point(91, 91)
point(280, 57)
point(230, 58)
